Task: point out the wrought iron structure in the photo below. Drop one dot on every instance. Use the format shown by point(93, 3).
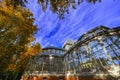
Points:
point(47, 63)
point(96, 51)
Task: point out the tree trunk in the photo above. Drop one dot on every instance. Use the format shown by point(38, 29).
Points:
point(15, 76)
point(7, 76)
point(18, 76)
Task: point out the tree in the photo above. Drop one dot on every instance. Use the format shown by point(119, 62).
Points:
point(16, 34)
point(60, 7)
point(23, 60)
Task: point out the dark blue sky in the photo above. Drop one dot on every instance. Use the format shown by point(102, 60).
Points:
point(54, 32)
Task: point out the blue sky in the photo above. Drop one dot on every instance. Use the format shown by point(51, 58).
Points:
point(54, 32)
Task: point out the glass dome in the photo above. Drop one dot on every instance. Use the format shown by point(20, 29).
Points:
point(48, 62)
point(96, 52)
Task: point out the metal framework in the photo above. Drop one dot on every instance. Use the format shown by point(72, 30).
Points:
point(95, 52)
point(47, 63)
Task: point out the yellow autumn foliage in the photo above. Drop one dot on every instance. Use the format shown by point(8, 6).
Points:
point(33, 50)
point(16, 35)
point(12, 67)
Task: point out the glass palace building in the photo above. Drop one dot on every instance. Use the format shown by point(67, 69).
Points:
point(95, 55)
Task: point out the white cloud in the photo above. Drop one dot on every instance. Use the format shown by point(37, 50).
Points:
point(87, 16)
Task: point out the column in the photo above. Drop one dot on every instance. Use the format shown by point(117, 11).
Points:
point(79, 57)
point(88, 52)
point(74, 67)
point(96, 65)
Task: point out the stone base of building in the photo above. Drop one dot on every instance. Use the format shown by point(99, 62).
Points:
point(64, 78)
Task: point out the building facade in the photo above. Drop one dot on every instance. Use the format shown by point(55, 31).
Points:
point(95, 55)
